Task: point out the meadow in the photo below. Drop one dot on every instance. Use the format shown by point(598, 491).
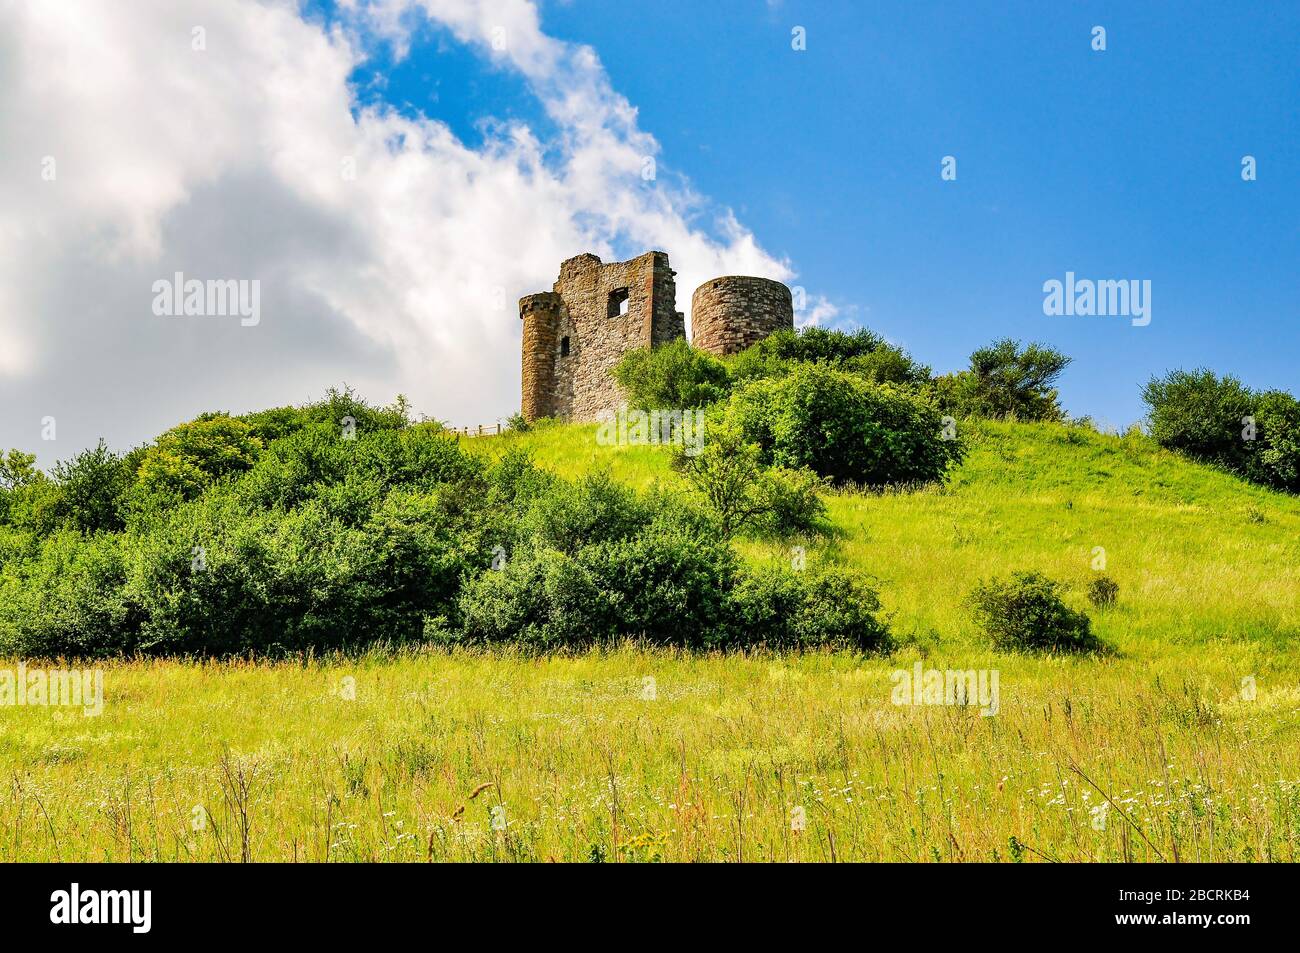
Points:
point(1180, 744)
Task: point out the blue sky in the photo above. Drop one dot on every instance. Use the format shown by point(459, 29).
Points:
point(1117, 164)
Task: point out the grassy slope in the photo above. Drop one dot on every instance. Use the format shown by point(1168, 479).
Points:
point(1192, 566)
point(711, 767)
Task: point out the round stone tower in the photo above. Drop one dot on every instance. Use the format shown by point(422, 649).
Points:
point(541, 316)
point(729, 314)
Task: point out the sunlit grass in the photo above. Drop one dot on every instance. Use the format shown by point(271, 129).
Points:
point(285, 761)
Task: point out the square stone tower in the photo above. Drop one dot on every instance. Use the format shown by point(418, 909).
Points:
point(575, 333)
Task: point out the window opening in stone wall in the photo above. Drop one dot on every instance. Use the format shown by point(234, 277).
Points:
point(617, 303)
point(564, 347)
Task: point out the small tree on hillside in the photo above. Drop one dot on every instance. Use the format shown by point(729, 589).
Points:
point(728, 473)
point(1006, 380)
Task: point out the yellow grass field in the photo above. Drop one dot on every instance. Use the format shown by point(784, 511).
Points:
point(1188, 734)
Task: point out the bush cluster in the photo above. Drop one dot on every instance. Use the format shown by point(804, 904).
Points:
point(862, 353)
point(674, 376)
point(1026, 613)
point(792, 413)
point(288, 532)
point(1220, 420)
point(844, 428)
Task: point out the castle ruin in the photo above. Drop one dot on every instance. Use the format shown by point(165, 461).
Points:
point(575, 333)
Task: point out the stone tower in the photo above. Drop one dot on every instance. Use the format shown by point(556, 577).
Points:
point(729, 314)
point(575, 333)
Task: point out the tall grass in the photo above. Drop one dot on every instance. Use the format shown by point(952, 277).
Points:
point(504, 756)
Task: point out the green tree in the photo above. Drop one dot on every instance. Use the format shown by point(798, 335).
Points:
point(728, 473)
point(194, 455)
point(673, 375)
point(18, 469)
point(91, 489)
point(1006, 380)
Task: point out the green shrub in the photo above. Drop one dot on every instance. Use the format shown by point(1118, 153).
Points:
point(658, 572)
point(792, 501)
point(664, 586)
point(189, 458)
point(844, 428)
point(1221, 421)
point(301, 466)
point(1005, 380)
point(1102, 592)
point(671, 376)
point(17, 545)
point(829, 607)
point(515, 481)
point(667, 589)
point(336, 407)
point(728, 474)
point(18, 469)
point(1027, 613)
point(595, 562)
point(166, 478)
point(544, 599)
point(35, 507)
point(861, 352)
point(1276, 460)
point(216, 444)
point(1201, 415)
point(217, 576)
point(91, 491)
point(67, 598)
point(568, 516)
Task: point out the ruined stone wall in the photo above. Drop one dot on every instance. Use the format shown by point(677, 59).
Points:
point(597, 312)
point(729, 314)
point(574, 335)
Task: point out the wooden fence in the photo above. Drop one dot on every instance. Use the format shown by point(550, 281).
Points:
point(482, 430)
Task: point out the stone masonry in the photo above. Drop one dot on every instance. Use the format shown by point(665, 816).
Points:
point(596, 312)
point(729, 314)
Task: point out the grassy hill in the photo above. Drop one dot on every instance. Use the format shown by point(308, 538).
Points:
point(631, 754)
point(1201, 557)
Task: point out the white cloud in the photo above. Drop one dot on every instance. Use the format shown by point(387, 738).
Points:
point(227, 162)
point(819, 314)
